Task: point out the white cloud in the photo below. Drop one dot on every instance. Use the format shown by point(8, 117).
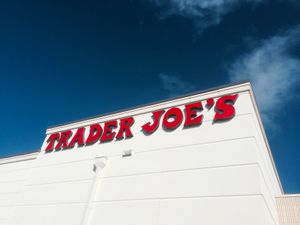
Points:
point(273, 72)
point(205, 13)
point(174, 85)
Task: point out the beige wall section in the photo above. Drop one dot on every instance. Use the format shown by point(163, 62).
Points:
point(288, 209)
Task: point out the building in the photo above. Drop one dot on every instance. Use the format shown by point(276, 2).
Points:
point(198, 159)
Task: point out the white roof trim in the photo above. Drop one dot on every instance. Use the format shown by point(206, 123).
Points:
point(19, 158)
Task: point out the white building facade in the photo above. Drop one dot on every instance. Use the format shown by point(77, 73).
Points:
point(198, 159)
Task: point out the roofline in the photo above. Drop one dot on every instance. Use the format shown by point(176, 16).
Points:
point(262, 128)
point(19, 157)
point(288, 196)
point(151, 103)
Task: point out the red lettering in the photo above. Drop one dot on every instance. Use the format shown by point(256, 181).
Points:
point(176, 115)
point(64, 136)
point(209, 103)
point(150, 128)
point(78, 138)
point(52, 138)
point(224, 107)
point(108, 134)
point(94, 134)
point(125, 125)
point(191, 118)
point(172, 118)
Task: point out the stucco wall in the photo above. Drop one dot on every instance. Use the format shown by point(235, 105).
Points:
point(14, 173)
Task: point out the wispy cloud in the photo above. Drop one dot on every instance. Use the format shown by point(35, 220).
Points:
point(270, 66)
point(273, 71)
point(204, 13)
point(174, 85)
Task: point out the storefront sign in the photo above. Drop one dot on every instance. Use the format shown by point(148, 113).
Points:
point(190, 116)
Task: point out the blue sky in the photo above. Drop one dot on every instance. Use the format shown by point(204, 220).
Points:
point(61, 61)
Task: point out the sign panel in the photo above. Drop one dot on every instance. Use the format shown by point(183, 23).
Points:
point(191, 116)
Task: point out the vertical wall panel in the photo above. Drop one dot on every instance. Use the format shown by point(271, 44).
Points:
point(289, 209)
